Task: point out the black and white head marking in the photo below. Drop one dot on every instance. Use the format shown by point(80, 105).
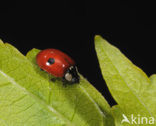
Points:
point(71, 75)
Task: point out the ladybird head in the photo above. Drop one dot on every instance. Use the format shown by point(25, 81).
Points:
point(71, 75)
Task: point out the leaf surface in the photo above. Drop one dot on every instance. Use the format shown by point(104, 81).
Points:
point(28, 97)
point(131, 88)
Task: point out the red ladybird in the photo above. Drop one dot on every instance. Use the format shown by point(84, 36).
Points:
point(58, 64)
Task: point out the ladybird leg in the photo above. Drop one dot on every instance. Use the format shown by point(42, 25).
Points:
point(53, 79)
point(64, 81)
point(41, 69)
point(65, 84)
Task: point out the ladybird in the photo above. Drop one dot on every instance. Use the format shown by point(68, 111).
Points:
point(58, 64)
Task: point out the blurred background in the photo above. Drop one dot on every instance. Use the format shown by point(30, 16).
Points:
point(71, 25)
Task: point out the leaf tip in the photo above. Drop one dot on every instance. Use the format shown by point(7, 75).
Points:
point(97, 37)
point(32, 50)
point(1, 42)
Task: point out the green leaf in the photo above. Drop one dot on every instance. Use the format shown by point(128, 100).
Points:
point(28, 97)
point(131, 88)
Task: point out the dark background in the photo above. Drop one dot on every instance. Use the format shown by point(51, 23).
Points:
point(71, 25)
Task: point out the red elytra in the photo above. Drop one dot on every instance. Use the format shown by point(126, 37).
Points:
point(61, 64)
